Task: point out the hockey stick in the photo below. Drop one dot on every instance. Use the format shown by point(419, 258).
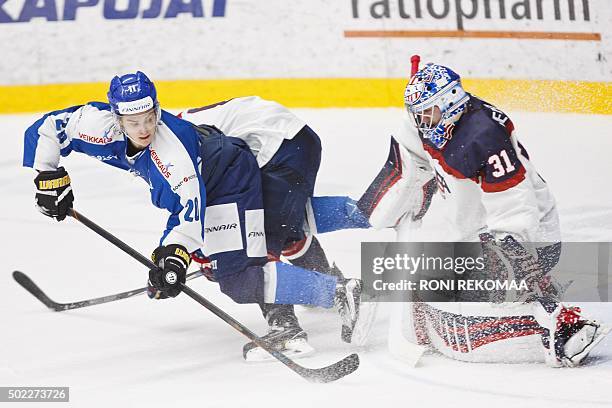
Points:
point(325, 374)
point(29, 285)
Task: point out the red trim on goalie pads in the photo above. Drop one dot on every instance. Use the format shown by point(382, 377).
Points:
point(390, 174)
point(393, 177)
point(481, 330)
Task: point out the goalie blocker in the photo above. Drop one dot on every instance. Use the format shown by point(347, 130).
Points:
point(401, 193)
point(403, 188)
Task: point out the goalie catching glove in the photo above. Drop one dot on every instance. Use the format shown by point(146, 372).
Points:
point(54, 193)
point(165, 280)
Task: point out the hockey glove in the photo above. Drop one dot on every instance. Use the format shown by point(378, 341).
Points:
point(54, 193)
point(165, 280)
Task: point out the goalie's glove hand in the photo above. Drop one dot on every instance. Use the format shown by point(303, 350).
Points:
point(54, 193)
point(172, 262)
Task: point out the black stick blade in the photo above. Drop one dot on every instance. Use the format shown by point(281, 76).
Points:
point(31, 287)
point(332, 372)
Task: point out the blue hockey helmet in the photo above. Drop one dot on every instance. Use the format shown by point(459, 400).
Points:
point(435, 100)
point(132, 93)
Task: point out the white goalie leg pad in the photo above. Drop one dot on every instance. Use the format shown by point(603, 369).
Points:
point(483, 332)
point(404, 194)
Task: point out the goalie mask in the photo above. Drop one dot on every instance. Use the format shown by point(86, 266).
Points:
point(435, 101)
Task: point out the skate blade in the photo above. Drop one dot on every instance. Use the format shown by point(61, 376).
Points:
point(296, 348)
point(363, 327)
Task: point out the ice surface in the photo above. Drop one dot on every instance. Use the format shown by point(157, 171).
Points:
point(139, 352)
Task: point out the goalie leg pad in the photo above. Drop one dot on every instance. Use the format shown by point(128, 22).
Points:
point(479, 332)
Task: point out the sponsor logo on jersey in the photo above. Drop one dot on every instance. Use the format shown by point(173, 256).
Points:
point(183, 181)
point(253, 234)
point(107, 158)
point(95, 139)
point(163, 168)
point(59, 10)
point(222, 227)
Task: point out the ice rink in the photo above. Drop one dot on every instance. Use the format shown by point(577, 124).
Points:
point(172, 353)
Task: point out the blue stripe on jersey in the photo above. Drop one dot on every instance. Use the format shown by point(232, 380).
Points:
point(173, 221)
point(31, 135)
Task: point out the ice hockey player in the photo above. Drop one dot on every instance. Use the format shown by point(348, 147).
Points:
point(467, 150)
point(496, 192)
point(288, 153)
point(210, 183)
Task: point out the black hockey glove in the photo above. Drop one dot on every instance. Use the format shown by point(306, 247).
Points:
point(165, 280)
point(54, 193)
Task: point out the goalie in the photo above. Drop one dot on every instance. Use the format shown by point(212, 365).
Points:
point(466, 150)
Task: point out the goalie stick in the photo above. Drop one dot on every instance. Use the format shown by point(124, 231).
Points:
point(28, 284)
point(325, 374)
point(408, 352)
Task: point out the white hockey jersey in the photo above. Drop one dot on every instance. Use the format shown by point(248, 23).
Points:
point(262, 124)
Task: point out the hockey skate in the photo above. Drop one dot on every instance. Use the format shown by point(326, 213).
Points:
point(357, 316)
point(571, 338)
point(284, 335)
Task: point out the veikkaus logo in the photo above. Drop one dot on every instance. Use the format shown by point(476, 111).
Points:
point(464, 10)
point(66, 10)
point(95, 139)
point(163, 168)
